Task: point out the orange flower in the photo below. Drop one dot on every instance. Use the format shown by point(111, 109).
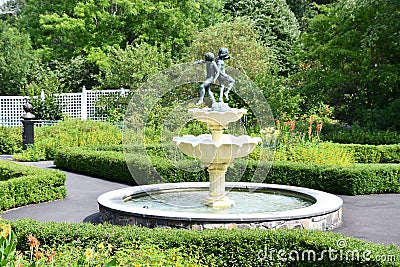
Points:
point(319, 128)
point(309, 131)
point(50, 256)
point(292, 125)
point(278, 123)
point(33, 242)
point(38, 255)
point(311, 120)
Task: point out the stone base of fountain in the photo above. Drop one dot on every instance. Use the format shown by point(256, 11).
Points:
point(323, 213)
point(218, 202)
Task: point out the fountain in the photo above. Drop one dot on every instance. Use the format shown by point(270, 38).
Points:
point(217, 151)
point(217, 203)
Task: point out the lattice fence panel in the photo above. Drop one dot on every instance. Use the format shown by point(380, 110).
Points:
point(76, 105)
point(92, 98)
point(71, 104)
point(11, 108)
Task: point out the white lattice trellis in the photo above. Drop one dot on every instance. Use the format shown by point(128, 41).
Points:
point(11, 110)
point(76, 105)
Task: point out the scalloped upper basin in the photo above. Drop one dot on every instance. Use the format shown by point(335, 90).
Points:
point(223, 151)
point(222, 118)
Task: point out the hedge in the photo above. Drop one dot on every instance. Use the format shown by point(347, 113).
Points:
point(362, 153)
point(353, 180)
point(22, 185)
point(374, 153)
point(221, 247)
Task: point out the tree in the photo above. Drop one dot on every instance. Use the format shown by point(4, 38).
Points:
point(274, 22)
point(352, 57)
point(17, 59)
point(132, 66)
point(240, 38)
point(65, 29)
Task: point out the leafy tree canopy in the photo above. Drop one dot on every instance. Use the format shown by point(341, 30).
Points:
point(17, 59)
point(64, 29)
point(352, 57)
point(274, 22)
point(239, 37)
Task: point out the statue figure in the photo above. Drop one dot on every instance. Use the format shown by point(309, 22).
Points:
point(223, 77)
point(211, 76)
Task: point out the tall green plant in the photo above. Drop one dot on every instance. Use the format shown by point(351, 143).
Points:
point(48, 108)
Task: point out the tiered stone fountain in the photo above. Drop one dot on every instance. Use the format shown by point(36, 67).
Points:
point(208, 205)
point(217, 203)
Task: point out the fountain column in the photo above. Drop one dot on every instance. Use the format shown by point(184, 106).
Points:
point(217, 197)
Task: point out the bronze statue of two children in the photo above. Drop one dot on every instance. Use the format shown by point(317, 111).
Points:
point(215, 70)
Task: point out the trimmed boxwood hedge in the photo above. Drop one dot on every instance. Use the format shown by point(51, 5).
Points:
point(353, 180)
point(362, 153)
point(221, 247)
point(374, 153)
point(22, 185)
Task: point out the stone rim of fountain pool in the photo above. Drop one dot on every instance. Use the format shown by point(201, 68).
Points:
point(324, 214)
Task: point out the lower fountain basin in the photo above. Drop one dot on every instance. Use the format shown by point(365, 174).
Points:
point(307, 208)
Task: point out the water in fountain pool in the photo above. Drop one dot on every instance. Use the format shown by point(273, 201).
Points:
point(245, 202)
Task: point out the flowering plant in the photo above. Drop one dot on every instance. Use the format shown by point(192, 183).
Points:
point(8, 244)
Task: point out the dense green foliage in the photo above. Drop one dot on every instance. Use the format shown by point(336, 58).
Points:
point(374, 154)
point(215, 247)
point(360, 135)
point(64, 134)
point(22, 185)
point(132, 66)
point(274, 22)
point(351, 61)
point(10, 140)
point(17, 59)
point(352, 180)
point(242, 42)
point(304, 55)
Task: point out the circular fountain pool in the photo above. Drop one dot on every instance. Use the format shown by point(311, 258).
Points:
point(256, 206)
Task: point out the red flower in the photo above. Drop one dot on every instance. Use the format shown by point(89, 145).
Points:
point(292, 125)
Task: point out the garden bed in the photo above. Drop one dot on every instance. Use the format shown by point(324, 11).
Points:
point(352, 180)
point(210, 247)
point(22, 185)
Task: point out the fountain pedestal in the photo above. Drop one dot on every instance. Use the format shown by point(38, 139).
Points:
point(217, 197)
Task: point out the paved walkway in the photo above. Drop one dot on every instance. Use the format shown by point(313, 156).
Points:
point(374, 218)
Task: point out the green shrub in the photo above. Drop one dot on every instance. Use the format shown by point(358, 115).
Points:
point(352, 180)
point(358, 135)
point(373, 153)
point(10, 140)
point(70, 133)
point(21, 185)
point(112, 165)
point(214, 247)
point(320, 153)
